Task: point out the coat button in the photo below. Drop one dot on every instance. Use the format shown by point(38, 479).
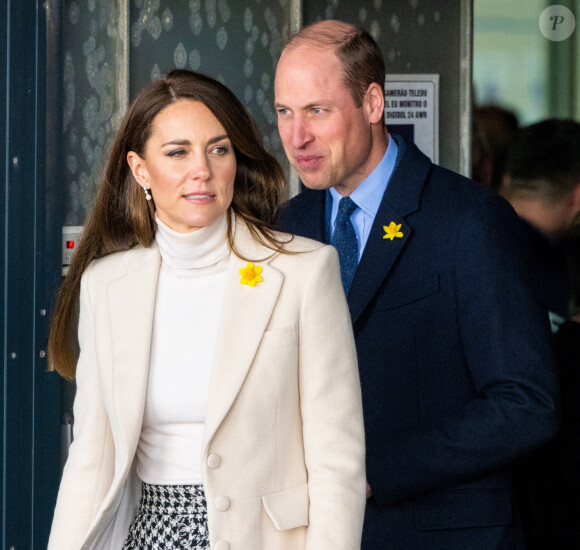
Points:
point(221, 545)
point(214, 460)
point(222, 504)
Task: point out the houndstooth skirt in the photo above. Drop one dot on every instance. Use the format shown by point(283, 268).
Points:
point(170, 517)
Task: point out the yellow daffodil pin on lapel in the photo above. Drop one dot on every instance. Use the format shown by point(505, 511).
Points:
point(392, 230)
point(251, 274)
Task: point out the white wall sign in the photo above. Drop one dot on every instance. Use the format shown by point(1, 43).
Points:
point(412, 109)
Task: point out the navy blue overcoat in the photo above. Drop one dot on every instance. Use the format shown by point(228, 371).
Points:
point(455, 364)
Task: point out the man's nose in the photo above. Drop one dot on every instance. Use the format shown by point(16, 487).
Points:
point(301, 134)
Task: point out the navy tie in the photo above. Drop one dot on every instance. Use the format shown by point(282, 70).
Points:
point(344, 240)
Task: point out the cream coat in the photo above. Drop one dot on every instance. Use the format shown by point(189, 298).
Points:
point(283, 453)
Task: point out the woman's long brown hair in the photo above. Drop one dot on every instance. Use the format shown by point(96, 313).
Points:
point(121, 217)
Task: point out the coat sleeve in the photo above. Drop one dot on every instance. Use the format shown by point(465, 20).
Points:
point(331, 409)
point(504, 343)
point(87, 474)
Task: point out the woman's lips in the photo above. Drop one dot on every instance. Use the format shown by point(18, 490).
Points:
point(199, 198)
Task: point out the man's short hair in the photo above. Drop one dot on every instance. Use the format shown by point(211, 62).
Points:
point(360, 56)
point(545, 159)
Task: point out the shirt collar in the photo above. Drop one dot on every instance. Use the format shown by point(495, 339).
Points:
point(369, 193)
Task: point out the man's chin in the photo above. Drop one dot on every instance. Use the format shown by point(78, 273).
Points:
point(314, 183)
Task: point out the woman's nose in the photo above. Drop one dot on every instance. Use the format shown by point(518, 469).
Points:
point(200, 169)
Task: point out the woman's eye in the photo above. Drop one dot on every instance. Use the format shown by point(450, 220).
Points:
point(176, 153)
point(221, 150)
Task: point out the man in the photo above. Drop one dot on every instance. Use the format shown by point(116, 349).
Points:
point(543, 175)
point(453, 354)
point(542, 183)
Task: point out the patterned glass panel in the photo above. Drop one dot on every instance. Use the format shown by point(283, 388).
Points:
point(238, 43)
point(93, 43)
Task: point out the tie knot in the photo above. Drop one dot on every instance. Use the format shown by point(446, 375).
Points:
point(346, 207)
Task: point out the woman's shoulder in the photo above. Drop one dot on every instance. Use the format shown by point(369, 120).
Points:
point(303, 254)
point(296, 244)
point(116, 264)
point(250, 243)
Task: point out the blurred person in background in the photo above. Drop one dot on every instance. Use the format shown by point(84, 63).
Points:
point(549, 478)
point(495, 131)
point(542, 183)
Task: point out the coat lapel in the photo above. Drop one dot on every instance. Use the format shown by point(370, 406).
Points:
point(132, 306)
point(245, 317)
point(377, 260)
point(399, 201)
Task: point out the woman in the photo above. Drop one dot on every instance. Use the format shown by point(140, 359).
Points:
point(216, 355)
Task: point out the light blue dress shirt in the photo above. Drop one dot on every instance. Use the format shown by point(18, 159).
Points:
point(367, 196)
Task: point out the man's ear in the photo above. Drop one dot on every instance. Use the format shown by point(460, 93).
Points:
point(505, 188)
point(375, 102)
point(138, 167)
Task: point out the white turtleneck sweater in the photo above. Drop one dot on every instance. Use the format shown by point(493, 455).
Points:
point(187, 313)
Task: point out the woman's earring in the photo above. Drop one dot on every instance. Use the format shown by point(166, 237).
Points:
point(147, 195)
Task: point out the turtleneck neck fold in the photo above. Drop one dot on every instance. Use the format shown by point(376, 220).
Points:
point(201, 248)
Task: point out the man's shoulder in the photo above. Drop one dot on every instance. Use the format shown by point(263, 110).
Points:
point(413, 163)
point(460, 192)
point(299, 211)
point(456, 183)
point(304, 198)
point(442, 194)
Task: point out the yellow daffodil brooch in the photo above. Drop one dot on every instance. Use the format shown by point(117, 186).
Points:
point(251, 274)
point(392, 230)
